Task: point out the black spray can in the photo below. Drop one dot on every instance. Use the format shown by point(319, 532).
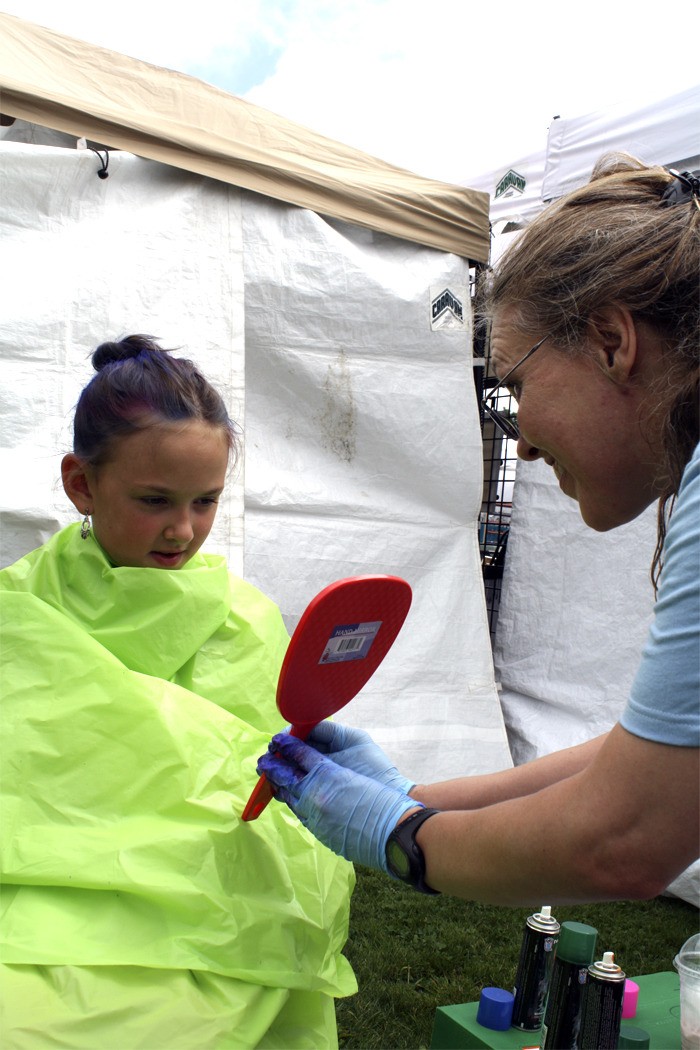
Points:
point(562, 1015)
point(534, 969)
point(601, 1015)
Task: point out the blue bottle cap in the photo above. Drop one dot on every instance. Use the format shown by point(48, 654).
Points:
point(495, 1009)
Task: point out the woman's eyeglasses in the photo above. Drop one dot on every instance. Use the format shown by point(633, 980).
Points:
point(507, 424)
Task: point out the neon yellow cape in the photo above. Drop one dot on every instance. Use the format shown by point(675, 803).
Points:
point(137, 909)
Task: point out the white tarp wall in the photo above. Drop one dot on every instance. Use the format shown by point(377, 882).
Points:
point(363, 455)
point(362, 447)
point(575, 609)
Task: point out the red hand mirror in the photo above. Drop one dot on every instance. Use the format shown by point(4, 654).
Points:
point(342, 637)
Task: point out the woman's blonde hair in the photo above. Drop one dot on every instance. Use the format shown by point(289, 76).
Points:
point(617, 239)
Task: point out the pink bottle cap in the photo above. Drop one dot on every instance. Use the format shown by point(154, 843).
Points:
point(629, 999)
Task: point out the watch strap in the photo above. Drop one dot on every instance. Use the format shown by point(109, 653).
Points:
point(404, 836)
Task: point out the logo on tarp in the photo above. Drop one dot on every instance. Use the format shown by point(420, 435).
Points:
point(447, 309)
point(511, 185)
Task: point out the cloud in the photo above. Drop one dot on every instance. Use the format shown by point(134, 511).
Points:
point(446, 88)
point(454, 87)
point(237, 72)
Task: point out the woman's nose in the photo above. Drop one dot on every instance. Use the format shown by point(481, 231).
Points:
point(526, 450)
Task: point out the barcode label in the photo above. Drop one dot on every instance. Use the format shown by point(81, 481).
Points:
point(347, 644)
point(350, 641)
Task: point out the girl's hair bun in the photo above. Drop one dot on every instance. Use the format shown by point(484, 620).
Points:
point(138, 385)
point(123, 349)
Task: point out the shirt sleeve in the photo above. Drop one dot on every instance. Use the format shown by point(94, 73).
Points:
point(664, 703)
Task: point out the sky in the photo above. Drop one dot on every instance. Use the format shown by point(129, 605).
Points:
point(446, 88)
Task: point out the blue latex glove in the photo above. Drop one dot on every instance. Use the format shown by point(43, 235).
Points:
point(355, 749)
point(350, 813)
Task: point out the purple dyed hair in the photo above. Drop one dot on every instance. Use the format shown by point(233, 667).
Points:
point(139, 384)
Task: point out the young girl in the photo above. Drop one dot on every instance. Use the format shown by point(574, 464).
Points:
point(139, 684)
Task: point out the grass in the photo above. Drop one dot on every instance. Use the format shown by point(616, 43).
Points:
point(412, 953)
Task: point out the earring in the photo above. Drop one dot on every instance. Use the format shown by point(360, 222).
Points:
point(85, 526)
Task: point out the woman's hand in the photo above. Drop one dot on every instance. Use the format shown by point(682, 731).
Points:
point(350, 813)
point(354, 749)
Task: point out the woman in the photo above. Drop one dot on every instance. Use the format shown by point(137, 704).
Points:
point(139, 683)
point(594, 328)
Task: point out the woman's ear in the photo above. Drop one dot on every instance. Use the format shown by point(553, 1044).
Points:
point(613, 336)
point(76, 483)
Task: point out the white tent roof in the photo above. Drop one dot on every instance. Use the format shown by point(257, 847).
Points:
point(666, 132)
point(74, 87)
point(663, 133)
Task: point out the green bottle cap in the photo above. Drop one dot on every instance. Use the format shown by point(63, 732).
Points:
point(637, 1038)
point(577, 943)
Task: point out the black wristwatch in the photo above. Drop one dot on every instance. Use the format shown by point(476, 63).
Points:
point(404, 857)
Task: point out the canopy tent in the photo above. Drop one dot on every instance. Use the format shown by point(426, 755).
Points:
point(62, 83)
point(325, 293)
point(663, 133)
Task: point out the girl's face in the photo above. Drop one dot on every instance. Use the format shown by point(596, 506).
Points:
point(584, 422)
point(154, 501)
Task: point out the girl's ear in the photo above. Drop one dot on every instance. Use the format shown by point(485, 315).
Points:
point(76, 483)
point(613, 336)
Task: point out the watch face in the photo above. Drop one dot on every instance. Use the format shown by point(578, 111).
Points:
point(397, 860)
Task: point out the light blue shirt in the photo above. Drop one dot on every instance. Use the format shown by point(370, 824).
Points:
point(664, 703)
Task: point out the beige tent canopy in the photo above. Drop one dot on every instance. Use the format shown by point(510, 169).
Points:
point(83, 90)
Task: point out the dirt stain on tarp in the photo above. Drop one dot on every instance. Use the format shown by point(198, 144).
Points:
point(337, 420)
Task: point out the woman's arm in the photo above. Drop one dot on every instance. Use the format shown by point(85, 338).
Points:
point(622, 827)
point(485, 790)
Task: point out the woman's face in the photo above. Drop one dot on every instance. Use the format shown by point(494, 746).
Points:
point(582, 422)
point(154, 501)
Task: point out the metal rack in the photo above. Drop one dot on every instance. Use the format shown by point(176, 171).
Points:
point(500, 458)
point(494, 522)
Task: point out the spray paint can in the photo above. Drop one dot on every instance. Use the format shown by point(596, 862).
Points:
point(534, 969)
point(602, 1005)
point(562, 1015)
